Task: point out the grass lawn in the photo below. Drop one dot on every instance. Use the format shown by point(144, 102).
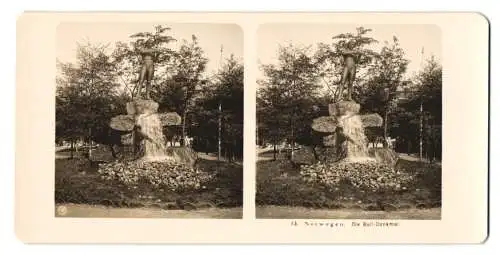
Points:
point(79, 187)
point(281, 193)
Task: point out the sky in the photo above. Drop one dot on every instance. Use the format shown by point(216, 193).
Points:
point(210, 37)
point(411, 38)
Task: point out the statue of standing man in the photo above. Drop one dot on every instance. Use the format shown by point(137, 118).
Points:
point(147, 71)
point(348, 75)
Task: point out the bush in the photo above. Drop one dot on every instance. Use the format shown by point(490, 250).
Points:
point(169, 175)
point(367, 176)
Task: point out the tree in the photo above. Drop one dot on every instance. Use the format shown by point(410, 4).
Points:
point(86, 94)
point(287, 95)
point(226, 90)
point(178, 92)
point(67, 112)
point(425, 91)
point(229, 94)
point(380, 92)
point(430, 93)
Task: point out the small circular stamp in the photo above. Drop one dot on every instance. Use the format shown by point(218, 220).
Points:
point(61, 210)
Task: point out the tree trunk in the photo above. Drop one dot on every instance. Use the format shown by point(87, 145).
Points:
point(233, 151)
point(219, 131)
point(225, 154)
point(292, 142)
point(184, 114)
point(113, 152)
point(90, 144)
point(72, 147)
point(76, 145)
point(231, 154)
point(385, 128)
point(274, 151)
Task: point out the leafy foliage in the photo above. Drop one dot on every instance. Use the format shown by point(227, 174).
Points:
point(385, 79)
point(178, 92)
point(87, 94)
point(225, 91)
point(286, 99)
point(425, 91)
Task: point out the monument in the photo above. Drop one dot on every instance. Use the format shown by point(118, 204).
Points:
point(343, 130)
point(144, 124)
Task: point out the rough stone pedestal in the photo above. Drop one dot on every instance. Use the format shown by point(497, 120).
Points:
point(183, 155)
point(141, 106)
point(126, 122)
point(339, 113)
point(343, 108)
point(384, 155)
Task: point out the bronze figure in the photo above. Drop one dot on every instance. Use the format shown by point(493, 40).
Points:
point(348, 75)
point(147, 71)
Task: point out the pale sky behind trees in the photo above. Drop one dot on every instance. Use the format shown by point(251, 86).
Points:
point(210, 38)
point(411, 38)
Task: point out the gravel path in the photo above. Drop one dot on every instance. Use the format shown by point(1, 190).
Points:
point(73, 210)
point(285, 212)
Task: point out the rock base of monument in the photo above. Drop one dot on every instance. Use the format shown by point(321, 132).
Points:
point(308, 156)
point(345, 123)
point(143, 113)
point(343, 108)
point(141, 106)
point(372, 120)
point(169, 175)
point(370, 176)
point(384, 156)
point(156, 164)
point(138, 107)
point(184, 155)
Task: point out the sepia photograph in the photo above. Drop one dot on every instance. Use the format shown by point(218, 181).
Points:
point(349, 121)
point(245, 128)
point(149, 120)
